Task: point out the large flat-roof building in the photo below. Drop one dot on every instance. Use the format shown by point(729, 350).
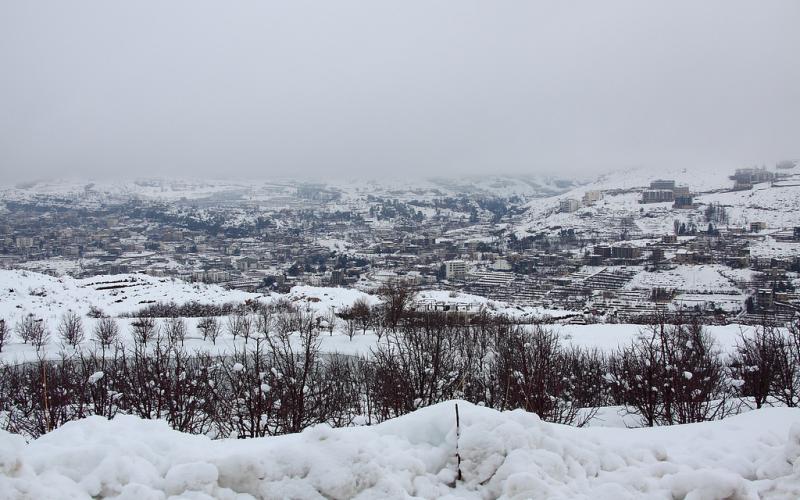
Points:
point(455, 270)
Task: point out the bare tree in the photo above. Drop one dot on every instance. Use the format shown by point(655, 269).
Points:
point(362, 314)
point(378, 321)
point(265, 320)
point(106, 332)
point(247, 326)
point(33, 330)
point(330, 320)
point(397, 296)
point(41, 335)
point(145, 329)
point(350, 325)
point(210, 328)
point(25, 328)
point(240, 324)
point(175, 329)
point(70, 329)
point(297, 370)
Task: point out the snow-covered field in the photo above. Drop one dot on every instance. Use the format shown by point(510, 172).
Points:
point(24, 292)
point(604, 337)
point(47, 297)
point(503, 455)
point(703, 278)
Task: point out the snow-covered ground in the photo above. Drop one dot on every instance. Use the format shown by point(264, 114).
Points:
point(46, 297)
point(603, 337)
point(703, 278)
point(27, 292)
point(503, 455)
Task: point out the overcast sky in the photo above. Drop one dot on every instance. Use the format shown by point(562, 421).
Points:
point(259, 88)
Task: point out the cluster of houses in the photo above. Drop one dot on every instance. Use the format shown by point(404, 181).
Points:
point(450, 243)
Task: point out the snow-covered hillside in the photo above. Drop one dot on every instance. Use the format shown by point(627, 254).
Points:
point(25, 292)
point(777, 206)
point(503, 455)
point(703, 278)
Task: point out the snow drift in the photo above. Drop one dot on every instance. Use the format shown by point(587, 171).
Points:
point(511, 455)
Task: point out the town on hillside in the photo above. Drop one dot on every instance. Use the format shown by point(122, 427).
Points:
point(620, 248)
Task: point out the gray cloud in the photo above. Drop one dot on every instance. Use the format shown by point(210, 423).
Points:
point(417, 87)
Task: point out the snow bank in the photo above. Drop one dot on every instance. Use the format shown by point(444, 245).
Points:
point(510, 455)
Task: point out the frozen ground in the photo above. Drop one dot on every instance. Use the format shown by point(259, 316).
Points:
point(503, 455)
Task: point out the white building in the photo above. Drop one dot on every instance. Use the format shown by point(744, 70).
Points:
point(24, 242)
point(592, 197)
point(568, 205)
point(456, 270)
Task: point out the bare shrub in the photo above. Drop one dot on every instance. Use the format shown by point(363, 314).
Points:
point(165, 382)
point(533, 375)
point(36, 398)
point(254, 396)
point(672, 374)
point(95, 312)
point(755, 363)
point(419, 364)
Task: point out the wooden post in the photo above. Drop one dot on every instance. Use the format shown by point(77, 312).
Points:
point(458, 454)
